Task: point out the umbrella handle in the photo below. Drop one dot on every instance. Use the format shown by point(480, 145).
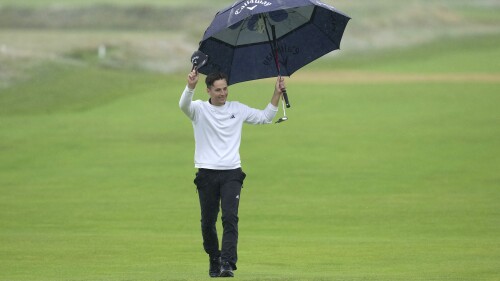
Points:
point(285, 96)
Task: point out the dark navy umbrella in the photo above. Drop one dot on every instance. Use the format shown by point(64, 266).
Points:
point(254, 39)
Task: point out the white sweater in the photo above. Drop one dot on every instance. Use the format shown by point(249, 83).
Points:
point(217, 129)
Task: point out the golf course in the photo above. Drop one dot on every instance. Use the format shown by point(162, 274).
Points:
point(388, 168)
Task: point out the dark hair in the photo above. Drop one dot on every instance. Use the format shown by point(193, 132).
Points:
point(212, 77)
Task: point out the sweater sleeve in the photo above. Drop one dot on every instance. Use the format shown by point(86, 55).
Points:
point(185, 103)
point(265, 116)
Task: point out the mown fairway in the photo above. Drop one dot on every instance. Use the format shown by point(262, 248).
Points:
point(388, 168)
point(366, 181)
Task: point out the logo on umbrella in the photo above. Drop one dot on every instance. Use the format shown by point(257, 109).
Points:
point(249, 4)
point(285, 51)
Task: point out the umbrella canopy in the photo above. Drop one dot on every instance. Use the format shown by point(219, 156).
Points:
point(239, 40)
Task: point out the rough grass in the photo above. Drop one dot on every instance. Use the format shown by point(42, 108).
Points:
point(22, 50)
point(103, 17)
point(80, 3)
point(160, 38)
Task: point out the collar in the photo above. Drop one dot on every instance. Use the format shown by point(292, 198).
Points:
point(217, 106)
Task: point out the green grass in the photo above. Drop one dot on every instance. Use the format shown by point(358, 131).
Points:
point(79, 3)
point(466, 54)
point(485, 14)
point(71, 88)
point(366, 181)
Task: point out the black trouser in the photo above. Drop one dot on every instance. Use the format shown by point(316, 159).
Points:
point(220, 187)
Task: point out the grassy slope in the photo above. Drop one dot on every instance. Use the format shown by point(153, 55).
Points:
point(365, 182)
point(78, 3)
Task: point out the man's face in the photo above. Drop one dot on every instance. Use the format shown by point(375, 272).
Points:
point(218, 92)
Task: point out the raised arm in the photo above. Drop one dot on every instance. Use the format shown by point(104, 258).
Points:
point(187, 95)
point(266, 116)
point(193, 79)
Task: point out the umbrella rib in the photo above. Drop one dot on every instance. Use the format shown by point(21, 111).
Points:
point(240, 29)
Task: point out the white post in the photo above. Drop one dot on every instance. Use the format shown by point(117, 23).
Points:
point(101, 51)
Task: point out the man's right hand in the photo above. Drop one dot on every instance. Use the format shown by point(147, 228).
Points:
point(193, 79)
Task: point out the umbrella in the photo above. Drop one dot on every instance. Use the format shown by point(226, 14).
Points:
point(254, 39)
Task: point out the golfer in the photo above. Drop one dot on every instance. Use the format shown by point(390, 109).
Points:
point(217, 127)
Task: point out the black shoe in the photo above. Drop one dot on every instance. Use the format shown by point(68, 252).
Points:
point(226, 270)
point(214, 270)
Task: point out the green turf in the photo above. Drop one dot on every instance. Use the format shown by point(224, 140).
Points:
point(470, 54)
point(366, 181)
point(77, 3)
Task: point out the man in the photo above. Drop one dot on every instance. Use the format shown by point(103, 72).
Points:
point(217, 127)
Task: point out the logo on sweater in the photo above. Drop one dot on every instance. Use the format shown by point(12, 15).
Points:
point(232, 116)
